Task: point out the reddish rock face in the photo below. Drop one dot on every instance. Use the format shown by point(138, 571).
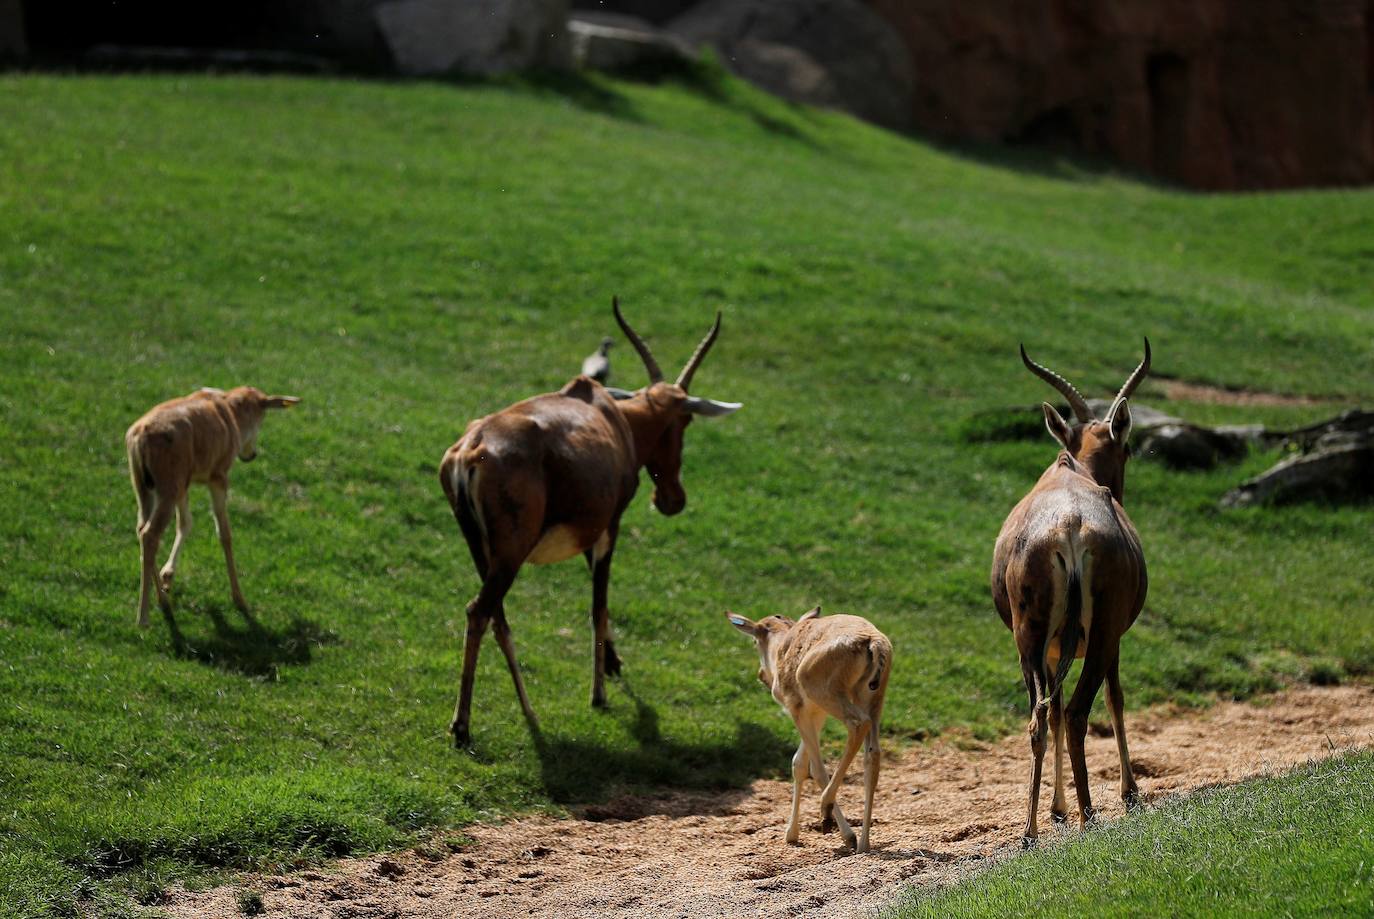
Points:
point(1216, 94)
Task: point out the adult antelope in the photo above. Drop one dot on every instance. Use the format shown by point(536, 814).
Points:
point(549, 477)
point(1068, 578)
point(837, 666)
point(191, 439)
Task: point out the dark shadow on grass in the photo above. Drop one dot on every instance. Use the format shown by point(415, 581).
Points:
point(576, 770)
point(252, 649)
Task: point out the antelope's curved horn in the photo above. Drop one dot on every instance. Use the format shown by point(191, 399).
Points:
point(1080, 408)
point(685, 378)
point(651, 365)
point(1131, 383)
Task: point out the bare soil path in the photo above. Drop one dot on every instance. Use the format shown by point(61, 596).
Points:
point(938, 811)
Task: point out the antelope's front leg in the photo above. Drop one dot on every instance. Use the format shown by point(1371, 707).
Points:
point(1059, 807)
point(801, 771)
point(604, 659)
point(810, 726)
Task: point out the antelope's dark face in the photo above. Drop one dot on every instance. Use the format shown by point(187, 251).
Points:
point(672, 410)
point(1098, 446)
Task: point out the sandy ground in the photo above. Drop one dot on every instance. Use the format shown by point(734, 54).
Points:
point(939, 812)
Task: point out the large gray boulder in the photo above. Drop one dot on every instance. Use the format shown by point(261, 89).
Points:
point(830, 53)
point(1335, 463)
point(475, 37)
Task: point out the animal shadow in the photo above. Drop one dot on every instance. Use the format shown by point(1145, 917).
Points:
point(251, 649)
point(577, 770)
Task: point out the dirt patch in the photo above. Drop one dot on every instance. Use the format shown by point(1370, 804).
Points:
point(1183, 391)
point(938, 811)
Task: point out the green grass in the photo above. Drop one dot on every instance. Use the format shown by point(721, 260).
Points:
point(1297, 844)
point(407, 256)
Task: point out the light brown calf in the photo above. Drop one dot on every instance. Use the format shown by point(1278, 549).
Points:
point(191, 439)
point(837, 665)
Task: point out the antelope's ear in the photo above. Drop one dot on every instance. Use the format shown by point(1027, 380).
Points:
point(1121, 423)
point(813, 613)
point(281, 401)
point(695, 405)
point(741, 623)
point(1055, 423)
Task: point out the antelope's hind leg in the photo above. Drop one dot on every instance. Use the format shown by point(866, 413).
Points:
point(481, 611)
point(1116, 705)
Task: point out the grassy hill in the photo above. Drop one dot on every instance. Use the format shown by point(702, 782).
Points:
point(407, 256)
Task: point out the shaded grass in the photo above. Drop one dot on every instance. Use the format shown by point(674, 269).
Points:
point(410, 256)
point(1297, 844)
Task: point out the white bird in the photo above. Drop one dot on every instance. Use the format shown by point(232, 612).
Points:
point(598, 364)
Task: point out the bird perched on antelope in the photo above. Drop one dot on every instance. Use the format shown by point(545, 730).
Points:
point(597, 365)
point(191, 439)
point(817, 667)
point(548, 478)
point(1068, 579)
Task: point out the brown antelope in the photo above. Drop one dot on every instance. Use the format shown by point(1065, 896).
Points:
point(191, 439)
point(549, 477)
point(1068, 578)
point(817, 667)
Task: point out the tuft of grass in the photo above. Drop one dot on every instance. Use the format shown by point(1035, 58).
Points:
point(409, 256)
point(249, 902)
point(1296, 844)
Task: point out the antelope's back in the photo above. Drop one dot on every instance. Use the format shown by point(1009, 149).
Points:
point(194, 436)
point(572, 447)
point(1067, 508)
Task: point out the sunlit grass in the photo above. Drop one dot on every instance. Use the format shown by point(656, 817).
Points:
point(406, 257)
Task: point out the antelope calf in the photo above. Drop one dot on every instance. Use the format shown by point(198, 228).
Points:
point(548, 478)
point(1068, 579)
point(837, 665)
point(191, 439)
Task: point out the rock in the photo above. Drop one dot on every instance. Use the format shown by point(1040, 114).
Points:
point(1190, 446)
point(12, 44)
point(1336, 463)
point(476, 37)
point(1331, 473)
point(1355, 422)
point(1217, 94)
point(831, 53)
point(606, 41)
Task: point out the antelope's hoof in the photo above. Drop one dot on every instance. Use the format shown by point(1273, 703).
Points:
point(828, 818)
point(1028, 842)
point(1133, 799)
point(612, 664)
point(143, 622)
point(164, 603)
point(1059, 816)
point(1087, 819)
point(165, 578)
point(852, 841)
point(241, 604)
point(793, 838)
point(461, 736)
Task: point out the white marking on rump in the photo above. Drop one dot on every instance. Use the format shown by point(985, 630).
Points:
point(555, 545)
